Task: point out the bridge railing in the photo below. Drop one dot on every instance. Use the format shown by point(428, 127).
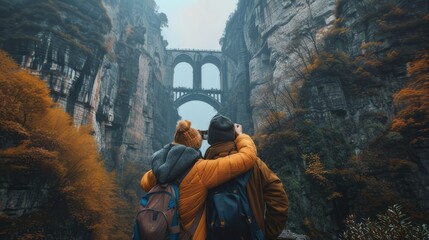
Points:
point(194, 50)
point(179, 92)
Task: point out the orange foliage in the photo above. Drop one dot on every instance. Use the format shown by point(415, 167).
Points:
point(50, 143)
point(372, 46)
point(315, 167)
point(413, 101)
point(420, 65)
point(19, 102)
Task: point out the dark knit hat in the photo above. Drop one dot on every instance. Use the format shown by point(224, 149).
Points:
point(221, 129)
point(186, 135)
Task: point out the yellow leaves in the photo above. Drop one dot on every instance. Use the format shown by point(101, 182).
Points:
point(398, 124)
point(29, 159)
point(411, 95)
point(7, 66)
point(413, 100)
point(335, 195)
point(332, 63)
point(420, 65)
point(10, 130)
point(375, 63)
point(20, 102)
point(315, 167)
point(371, 46)
point(49, 144)
point(337, 31)
point(392, 55)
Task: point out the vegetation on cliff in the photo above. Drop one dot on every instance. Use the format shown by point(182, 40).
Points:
point(40, 144)
point(317, 162)
point(392, 224)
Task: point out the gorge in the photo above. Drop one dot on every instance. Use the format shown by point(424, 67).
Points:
point(315, 81)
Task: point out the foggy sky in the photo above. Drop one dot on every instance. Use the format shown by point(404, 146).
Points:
point(196, 24)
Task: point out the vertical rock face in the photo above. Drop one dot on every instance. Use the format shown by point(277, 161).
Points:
point(262, 42)
point(104, 63)
point(267, 43)
point(57, 43)
point(134, 114)
point(258, 38)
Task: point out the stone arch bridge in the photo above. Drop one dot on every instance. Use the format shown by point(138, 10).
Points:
point(197, 58)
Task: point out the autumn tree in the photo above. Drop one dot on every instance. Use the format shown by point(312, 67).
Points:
point(40, 143)
point(20, 102)
point(387, 171)
point(412, 119)
point(277, 100)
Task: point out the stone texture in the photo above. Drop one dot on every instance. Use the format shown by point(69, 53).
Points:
point(116, 84)
point(126, 105)
point(261, 41)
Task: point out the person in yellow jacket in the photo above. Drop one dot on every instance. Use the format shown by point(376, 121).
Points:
point(182, 160)
point(267, 196)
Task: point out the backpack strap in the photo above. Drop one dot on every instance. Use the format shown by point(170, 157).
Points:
point(175, 226)
point(255, 232)
point(244, 178)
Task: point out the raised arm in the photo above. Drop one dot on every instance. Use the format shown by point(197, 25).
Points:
point(218, 171)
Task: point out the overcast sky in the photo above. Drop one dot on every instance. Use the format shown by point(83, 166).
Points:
point(196, 24)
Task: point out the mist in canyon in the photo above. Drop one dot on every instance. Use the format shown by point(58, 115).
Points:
point(334, 93)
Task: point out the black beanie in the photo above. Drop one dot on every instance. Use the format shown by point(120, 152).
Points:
point(221, 129)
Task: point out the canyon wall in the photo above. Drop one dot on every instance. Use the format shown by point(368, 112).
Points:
point(270, 47)
point(104, 63)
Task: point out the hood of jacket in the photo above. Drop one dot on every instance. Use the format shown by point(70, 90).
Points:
point(173, 161)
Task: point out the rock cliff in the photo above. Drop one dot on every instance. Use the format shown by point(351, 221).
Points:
point(270, 45)
point(104, 63)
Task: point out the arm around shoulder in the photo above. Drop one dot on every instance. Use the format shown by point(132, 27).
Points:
point(216, 172)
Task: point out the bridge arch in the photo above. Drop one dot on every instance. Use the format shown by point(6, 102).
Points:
point(198, 97)
point(197, 58)
point(210, 76)
point(213, 60)
point(183, 75)
point(183, 58)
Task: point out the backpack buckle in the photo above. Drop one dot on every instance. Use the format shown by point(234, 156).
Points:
point(222, 223)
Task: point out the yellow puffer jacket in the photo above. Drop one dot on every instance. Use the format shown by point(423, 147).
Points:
point(204, 175)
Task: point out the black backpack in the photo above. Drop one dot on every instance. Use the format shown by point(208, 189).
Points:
point(229, 216)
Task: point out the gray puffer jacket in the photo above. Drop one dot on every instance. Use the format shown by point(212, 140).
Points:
point(173, 161)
